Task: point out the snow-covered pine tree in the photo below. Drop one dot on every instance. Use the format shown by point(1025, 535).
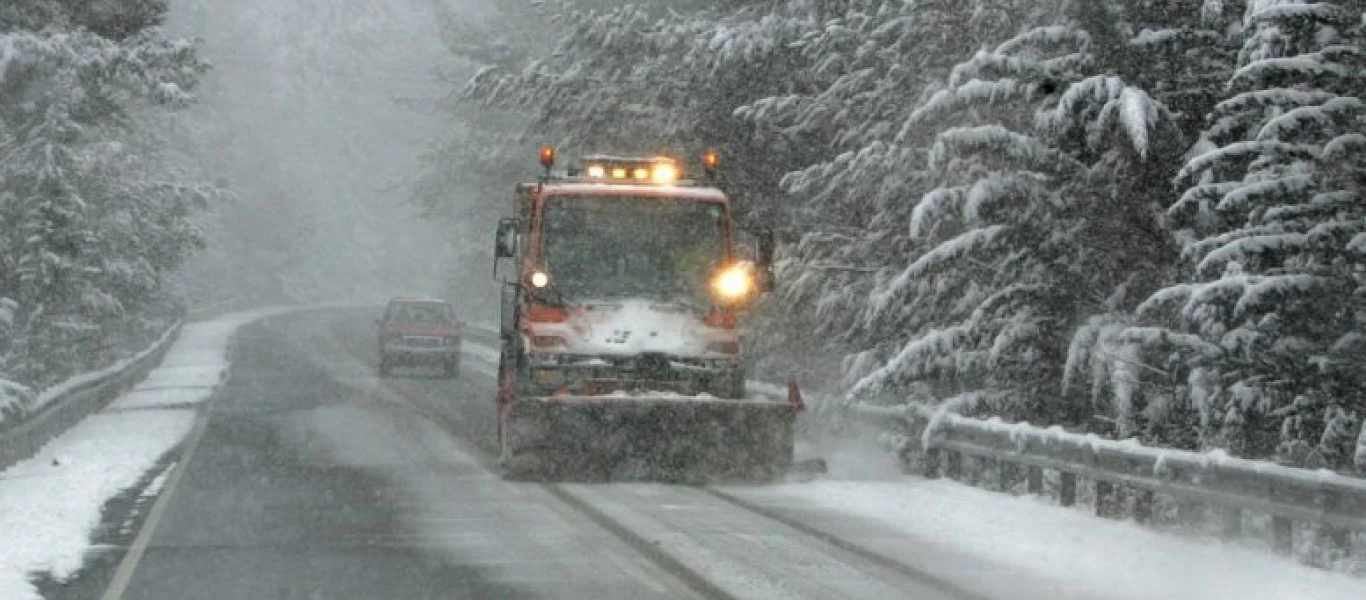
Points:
point(111, 19)
point(144, 218)
point(1266, 330)
point(66, 99)
point(1041, 218)
point(54, 245)
point(868, 64)
point(1182, 53)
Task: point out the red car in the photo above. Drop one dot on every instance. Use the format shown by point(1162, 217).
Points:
point(419, 332)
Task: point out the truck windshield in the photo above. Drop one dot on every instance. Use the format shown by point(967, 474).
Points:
point(614, 246)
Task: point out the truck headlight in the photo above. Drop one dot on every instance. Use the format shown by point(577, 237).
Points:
point(733, 283)
point(539, 279)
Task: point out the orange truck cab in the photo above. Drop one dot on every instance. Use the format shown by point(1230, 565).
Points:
point(623, 288)
point(625, 278)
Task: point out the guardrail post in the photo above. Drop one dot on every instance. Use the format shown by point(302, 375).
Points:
point(1341, 539)
point(930, 465)
point(1284, 535)
point(1233, 521)
point(1005, 475)
point(1188, 511)
point(953, 467)
point(1105, 492)
point(1143, 507)
point(1035, 480)
point(1067, 489)
point(1336, 539)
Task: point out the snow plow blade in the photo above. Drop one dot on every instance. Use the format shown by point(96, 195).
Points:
point(655, 438)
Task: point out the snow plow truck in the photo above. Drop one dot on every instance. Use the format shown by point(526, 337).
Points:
point(621, 358)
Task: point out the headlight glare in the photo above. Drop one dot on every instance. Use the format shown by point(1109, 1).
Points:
point(733, 283)
point(539, 279)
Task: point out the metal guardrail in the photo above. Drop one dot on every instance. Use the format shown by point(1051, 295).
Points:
point(25, 438)
point(1335, 502)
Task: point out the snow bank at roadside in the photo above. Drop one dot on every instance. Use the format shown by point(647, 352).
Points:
point(50, 504)
point(1097, 558)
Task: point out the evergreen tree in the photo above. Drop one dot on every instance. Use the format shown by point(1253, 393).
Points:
point(870, 63)
point(86, 235)
point(1271, 223)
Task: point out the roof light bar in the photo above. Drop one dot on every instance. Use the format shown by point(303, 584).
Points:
point(658, 170)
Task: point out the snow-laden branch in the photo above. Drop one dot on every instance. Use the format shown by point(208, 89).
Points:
point(1244, 151)
point(1243, 248)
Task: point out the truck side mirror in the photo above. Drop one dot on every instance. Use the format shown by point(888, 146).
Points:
point(766, 247)
point(765, 259)
point(505, 243)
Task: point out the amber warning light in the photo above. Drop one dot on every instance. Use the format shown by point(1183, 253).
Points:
point(711, 161)
point(547, 156)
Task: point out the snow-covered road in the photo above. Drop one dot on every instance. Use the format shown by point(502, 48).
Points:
point(315, 478)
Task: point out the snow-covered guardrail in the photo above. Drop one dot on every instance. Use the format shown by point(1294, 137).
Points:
point(1323, 498)
point(59, 407)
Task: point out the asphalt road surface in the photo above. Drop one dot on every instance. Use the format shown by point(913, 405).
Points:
point(311, 477)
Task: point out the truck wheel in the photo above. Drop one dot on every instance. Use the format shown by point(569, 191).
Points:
point(452, 368)
point(385, 366)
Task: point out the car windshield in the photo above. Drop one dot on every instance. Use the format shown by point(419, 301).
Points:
point(422, 314)
point(615, 246)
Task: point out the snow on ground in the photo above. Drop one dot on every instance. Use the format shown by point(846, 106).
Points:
point(50, 504)
point(1096, 558)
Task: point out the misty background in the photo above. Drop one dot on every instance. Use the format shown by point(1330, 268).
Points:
point(314, 116)
point(1126, 218)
